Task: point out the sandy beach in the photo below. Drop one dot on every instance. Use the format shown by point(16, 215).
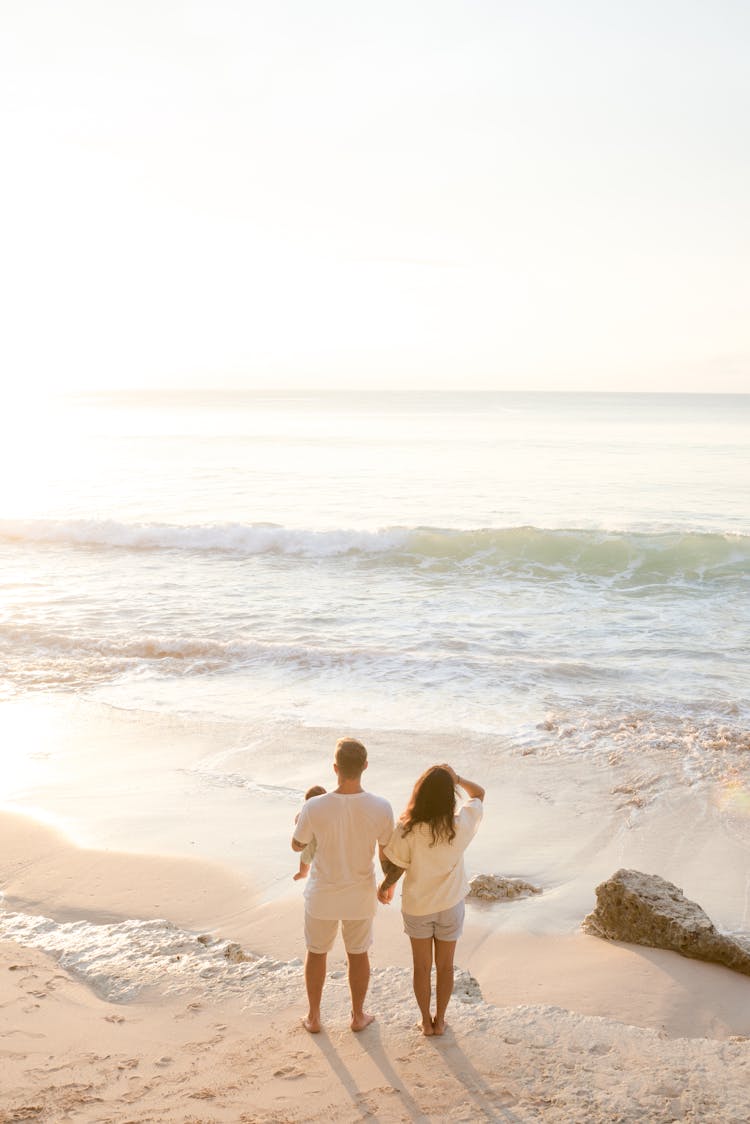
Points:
point(151, 993)
point(375, 373)
point(182, 646)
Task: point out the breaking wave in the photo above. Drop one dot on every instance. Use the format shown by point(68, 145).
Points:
point(647, 556)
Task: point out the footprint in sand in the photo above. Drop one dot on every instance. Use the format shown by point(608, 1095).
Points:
point(114, 1019)
point(289, 1073)
point(27, 1112)
point(191, 1009)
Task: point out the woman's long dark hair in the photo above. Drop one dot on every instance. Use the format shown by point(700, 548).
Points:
point(433, 802)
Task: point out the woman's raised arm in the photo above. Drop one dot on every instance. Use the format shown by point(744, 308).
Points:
point(474, 790)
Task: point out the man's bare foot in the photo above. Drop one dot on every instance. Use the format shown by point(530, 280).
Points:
point(439, 1026)
point(300, 874)
point(312, 1024)
point(426, 1025)
point(359, 1022)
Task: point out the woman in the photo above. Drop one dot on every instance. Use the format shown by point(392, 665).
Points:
point(428, 846)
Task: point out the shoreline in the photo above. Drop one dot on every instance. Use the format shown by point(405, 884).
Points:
point(44, 874)
point(225, 792)
point(534, 1035)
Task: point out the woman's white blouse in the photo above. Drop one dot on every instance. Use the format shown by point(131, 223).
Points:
point(435, 878)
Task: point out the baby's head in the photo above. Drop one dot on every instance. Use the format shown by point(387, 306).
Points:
point(316, 790)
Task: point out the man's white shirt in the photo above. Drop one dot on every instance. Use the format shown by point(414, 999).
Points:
point(342, 884)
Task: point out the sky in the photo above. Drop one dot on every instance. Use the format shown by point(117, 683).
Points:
point(489, 194)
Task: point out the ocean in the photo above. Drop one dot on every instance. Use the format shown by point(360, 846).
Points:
point(511, 578)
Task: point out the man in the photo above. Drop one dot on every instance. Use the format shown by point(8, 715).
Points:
point(346, 823)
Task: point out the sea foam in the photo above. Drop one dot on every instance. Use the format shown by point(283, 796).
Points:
point(124, 961)
point(135, 960)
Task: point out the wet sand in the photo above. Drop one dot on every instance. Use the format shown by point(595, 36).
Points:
point(559, 1028)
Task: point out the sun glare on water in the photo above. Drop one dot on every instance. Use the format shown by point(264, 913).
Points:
point(39, 447)
point(29, 730)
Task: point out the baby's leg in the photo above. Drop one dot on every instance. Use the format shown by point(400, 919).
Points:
point(304, 870)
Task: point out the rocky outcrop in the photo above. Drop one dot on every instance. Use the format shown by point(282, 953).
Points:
point(646, 909)
point(496, 888)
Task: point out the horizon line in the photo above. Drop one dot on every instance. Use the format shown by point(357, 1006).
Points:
point(398, 391)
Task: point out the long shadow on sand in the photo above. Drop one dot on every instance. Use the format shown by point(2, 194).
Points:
point(371, 1043)
point(489, 1103)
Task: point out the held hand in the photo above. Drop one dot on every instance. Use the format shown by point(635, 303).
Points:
point(385, 896)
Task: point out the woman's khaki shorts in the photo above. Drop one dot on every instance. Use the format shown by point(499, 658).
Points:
point(447, 925)
point(320, 934)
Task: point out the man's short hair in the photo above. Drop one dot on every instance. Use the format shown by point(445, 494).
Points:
point(351, 757)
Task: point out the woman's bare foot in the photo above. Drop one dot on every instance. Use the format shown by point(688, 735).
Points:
point(359, 1022)
point(312, 1024)
point(426, 1025)
point(438, 1026)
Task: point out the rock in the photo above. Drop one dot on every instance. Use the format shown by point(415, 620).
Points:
point(234, 954)
point(465, 988)
point(496, 888)
point(646, 909)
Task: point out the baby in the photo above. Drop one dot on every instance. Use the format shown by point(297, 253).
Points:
point(307, 855)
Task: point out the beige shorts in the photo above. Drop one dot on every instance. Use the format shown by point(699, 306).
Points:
point(447, 925)
point(321, 933)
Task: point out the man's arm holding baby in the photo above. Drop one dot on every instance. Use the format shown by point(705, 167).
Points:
point(296, 844)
